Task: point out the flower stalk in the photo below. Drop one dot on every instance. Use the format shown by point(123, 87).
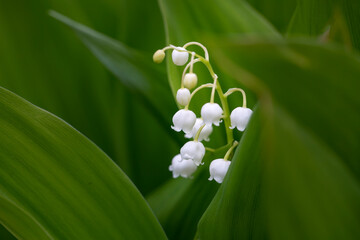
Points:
point(211, 114)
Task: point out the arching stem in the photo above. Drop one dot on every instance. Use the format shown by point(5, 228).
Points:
point(227, 155)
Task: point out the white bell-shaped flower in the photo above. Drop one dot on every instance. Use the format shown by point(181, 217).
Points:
point(179, 57)
point(211, 113)
point(184, 120)
point(190, 80)
point(183, 96)
point(240, 117)
point(205, 132)
point(184, 168)
point(218, 169)
point(194, 151)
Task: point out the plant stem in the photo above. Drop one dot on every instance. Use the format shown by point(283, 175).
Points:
point(231, 90)
point(227, 155)
point(196, 90)
point(223, 100)
point(198, 133)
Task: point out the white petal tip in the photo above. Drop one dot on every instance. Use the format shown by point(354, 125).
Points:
point(218, 180)
point(176, 129)
point(241, 129)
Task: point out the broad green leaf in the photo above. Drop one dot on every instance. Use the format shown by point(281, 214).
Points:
point(235, 212)
point(56, 184)
point(330, 19)
point(46, 63)
point(306, 77)
point(136, 71)
point(279, 13)
point(283, 184)
point(5, 234)
point(147, 82)
point(297, 176)
point(311, 17)
point(345, 23)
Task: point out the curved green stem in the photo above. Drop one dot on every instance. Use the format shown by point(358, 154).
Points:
point(198, 133)
point(196, 90)
point(227, 155)
point(190, 64)
point(232, 90)
point(212, 97)
point(210, 149)
point(200, 45)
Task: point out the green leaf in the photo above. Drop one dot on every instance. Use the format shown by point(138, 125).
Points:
point(328, 19)
point(305, 77)
point(310, 17)
point(46, 63)
point(147, 82)
point(135, 70)
point(56, 184)
point(297, 176)
point(5, 234)
point(235, 212)
point(278, 14)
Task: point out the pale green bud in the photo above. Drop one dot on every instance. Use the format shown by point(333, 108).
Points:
point(159, 56)
point(190, 80)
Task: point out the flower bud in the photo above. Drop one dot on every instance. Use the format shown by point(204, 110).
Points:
point(180, 58)
point(183, 120)
point(211, 113)
point(240, 117)
point(205, 132)
point(218, 169)
point(159, 56)
point(184, 168)
point(194, 151)
point(183, 96)
point(190, 80)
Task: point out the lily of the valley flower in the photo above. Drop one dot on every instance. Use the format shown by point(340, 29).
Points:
point(205, 132)
point(218, 169)
point(184, 168)
point(184, 120)
point(211, 113)
point(194, 151)
point(179, 57)
point(190, 80)
point(240, 117)
point(183, 96)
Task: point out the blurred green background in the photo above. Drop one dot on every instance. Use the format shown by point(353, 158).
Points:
point(255, 44)
point(44, 62)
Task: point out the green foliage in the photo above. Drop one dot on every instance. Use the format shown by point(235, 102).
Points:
point(315, 193)
point(60, 185)
point(295, 173)
point(136, 71)
point(328, 19)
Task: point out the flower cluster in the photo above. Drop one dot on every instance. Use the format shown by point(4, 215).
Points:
point(212, 114)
